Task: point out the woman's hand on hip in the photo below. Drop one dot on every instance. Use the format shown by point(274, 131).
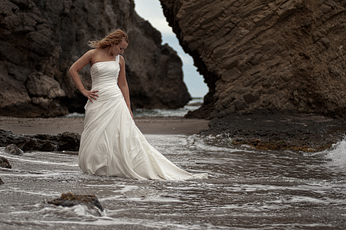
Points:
point(91, 95)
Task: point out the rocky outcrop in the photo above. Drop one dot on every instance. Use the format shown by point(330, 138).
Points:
point(39, 40)
point(265, 55)
point(296, 132)
point(42, 142)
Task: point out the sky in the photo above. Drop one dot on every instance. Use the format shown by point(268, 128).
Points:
point(151, 10)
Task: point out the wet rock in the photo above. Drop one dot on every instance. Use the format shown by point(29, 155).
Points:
point(297, 132)
point(13, 149)
point(4, 163)
point(68, 141)
point(1, 182)
point(270, 55)
point(69, 200)
point(40, 40)
point(41, 142)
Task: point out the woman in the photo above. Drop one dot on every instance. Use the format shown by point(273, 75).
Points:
point(111, 144)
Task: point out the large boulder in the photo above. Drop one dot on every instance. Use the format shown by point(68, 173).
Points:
point(39, 40)
point(265, 56)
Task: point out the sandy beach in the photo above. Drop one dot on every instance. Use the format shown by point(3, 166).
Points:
point(156, 125)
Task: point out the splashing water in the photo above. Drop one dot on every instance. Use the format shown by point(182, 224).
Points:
point(247, 188)
point(338, 155)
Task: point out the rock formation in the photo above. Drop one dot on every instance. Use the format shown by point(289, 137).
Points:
point(42, 142)
point(39, 40)
point(265, 55)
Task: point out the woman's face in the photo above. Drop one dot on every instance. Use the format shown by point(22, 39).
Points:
point(119, 49)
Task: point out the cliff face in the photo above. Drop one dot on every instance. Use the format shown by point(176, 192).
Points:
point(39, 40)
point(265, 55)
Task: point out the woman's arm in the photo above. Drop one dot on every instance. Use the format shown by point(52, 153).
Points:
point(78, 66)
point(123, 84)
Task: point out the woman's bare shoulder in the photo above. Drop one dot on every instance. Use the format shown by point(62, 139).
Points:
point(94, 55)
point(91, 52)
point(121, 59)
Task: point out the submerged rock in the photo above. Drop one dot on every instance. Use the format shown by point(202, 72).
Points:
point(42, 142)
point(1, 182)
point(69, 200)
point(13, 149)
point(4, 163)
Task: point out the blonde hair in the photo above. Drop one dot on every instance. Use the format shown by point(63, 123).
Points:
point(113, 38)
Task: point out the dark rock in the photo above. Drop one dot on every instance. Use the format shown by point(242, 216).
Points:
point(43, 86)
point(68, 141)
point(4, 163)
point(39, 41)
point(41, 142)
point(14, 150)
point(277, 131)
point(69, 200)
point(278, 52)
point(1, 182)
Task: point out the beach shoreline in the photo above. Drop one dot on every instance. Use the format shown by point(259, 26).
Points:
point(300, 132)
point(148, 125)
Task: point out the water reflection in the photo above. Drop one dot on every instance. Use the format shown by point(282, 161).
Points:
point(246, 189)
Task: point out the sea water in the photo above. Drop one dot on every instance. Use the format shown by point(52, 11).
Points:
point(246, 189)
point(194, 104)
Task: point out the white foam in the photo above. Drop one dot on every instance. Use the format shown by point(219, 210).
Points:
point(18, 190)
point(28, 174)
point(338, 154)
point(23, 159)
point(198, 143)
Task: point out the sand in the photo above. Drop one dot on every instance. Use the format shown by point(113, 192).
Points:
point(156, 125)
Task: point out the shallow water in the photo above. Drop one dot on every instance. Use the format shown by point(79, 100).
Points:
point(246, 189)
point(194, 104)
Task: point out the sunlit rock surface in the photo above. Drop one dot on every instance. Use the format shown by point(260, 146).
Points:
point(260, 56)
point(39, 40)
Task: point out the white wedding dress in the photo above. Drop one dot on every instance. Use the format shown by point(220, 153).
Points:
point(111, 144)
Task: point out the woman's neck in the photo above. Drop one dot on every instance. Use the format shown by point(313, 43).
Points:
point(108, 52)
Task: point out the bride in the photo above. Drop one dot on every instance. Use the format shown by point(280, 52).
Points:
point(111, 144)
